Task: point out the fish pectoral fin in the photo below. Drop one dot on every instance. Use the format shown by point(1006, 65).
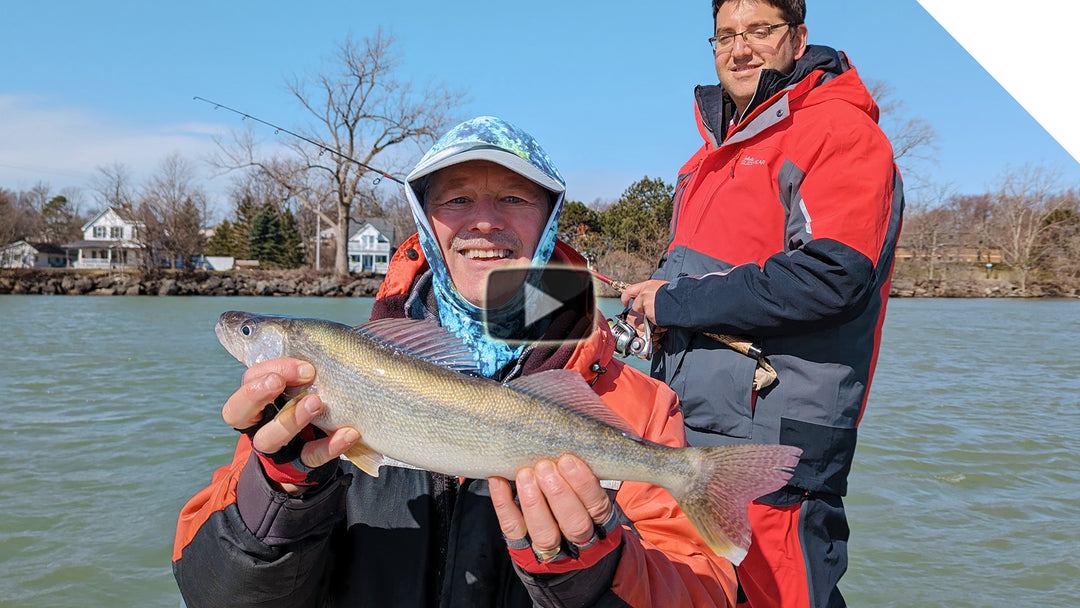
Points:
point(365, 458)
point(291, 403)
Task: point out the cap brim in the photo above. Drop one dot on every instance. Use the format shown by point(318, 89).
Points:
point(493, 154)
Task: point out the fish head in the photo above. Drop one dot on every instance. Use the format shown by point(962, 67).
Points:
point(253, 338)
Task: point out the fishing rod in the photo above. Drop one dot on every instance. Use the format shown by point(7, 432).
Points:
point(764, 375)
point(276, 128)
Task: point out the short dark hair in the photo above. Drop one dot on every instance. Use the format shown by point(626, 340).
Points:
point(793, 11)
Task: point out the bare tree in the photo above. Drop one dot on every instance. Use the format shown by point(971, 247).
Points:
point(173, 211)
point(914, 140)
point(930, 228)
point(361, 111)
point(972, 212)
point(1063, 242)
point(1024, 212)
point(114, 186)
point(18, 219)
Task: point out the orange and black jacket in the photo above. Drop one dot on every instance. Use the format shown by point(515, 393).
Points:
point(414, 538)
point(783, 231)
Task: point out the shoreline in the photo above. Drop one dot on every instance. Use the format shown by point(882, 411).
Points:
point(307, 283)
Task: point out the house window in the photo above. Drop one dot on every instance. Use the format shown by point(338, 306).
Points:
point(380, 259)
point(99, 232)
point(116, 232)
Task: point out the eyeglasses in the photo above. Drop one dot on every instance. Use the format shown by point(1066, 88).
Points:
point(752, 36)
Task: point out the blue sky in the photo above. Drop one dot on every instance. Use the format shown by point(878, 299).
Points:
point(605, 86)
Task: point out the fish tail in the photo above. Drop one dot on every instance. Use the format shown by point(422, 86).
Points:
point(728, 478)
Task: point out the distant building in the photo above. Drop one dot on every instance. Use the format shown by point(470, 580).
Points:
point(110, 239)
point(951, 253)
point(24, 254)
point(371, 243)
point(215, 262)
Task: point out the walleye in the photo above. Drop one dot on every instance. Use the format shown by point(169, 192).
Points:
point(408, 387)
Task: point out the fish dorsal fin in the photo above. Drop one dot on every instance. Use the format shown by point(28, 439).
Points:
point(424, 339)
point(567, 388)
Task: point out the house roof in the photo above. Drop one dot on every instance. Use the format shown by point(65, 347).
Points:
point(46, 248)
point(383, 225)
point(49, 248)
point(123, 214)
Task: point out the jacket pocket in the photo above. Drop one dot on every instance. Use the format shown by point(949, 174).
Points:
point(715, 388)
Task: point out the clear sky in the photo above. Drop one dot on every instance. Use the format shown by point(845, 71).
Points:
point(605, 86)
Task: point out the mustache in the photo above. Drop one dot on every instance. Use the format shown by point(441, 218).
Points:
point(498, 240)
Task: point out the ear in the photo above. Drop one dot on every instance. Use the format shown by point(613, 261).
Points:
point(799, 40)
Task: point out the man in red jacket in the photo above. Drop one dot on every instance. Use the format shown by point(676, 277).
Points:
point(783, 231)
point(288, 523)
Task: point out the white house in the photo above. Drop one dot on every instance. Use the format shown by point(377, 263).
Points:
point(371, 243)
point(23, 254)
point(110, 239)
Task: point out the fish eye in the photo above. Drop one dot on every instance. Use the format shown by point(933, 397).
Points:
point(247, 328)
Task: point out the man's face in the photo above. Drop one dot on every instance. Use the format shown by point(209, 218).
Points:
point(739, 65)
point(485, 216)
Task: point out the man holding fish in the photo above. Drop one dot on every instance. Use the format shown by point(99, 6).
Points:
point(497, 448)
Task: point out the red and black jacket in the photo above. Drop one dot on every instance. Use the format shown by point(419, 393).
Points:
point(783, 231)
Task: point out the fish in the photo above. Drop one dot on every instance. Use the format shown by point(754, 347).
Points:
point(412, 390)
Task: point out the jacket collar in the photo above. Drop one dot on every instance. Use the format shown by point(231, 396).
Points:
point(716, 109)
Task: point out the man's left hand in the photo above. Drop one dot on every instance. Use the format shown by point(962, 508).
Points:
point(559, 501)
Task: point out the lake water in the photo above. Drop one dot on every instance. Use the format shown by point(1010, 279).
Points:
point(965, 490)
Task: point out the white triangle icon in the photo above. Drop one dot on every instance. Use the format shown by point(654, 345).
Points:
point(1031, 59)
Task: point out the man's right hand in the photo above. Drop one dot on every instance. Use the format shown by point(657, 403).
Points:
point(262, 384)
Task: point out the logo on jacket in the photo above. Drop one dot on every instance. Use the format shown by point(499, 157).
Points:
point(750, 161)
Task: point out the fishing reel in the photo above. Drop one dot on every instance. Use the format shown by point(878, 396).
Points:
point(627, 340)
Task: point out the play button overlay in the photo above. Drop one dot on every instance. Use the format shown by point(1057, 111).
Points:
point(522, 304)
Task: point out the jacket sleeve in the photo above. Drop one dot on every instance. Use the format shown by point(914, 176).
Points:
point(240, 542)
point(823, 284)
point(843, 196)
point(663, 560)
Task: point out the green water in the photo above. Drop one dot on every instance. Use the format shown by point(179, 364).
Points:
point(965, 490)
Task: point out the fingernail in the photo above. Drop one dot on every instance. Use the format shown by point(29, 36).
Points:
point(545, 470)
point(273, 382)
point(570, 465)
point(305, 371)
point(351, 436)
point(312, 405)
point(524, 479)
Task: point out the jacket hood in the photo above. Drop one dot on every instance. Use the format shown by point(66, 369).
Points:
point(491, 139)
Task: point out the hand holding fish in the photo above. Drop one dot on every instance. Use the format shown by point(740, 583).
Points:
point(262, 384)
point(560, 504)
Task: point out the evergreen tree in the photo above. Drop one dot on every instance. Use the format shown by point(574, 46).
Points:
point(265, 238)
point(61, 223)
point(292, 243)
point(577, 219)
point(639, 220)
point(224, 241)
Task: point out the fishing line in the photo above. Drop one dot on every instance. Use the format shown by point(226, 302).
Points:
point(278, 129)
